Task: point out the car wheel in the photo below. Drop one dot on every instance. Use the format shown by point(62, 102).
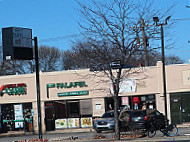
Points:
point(98, 131)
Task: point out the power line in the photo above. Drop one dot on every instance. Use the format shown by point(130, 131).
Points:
point(178, 50)
point(183, 19)
point(59, 38)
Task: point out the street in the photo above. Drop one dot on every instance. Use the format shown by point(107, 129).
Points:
point(90, 136)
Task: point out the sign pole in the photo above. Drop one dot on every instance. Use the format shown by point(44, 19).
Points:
point(38, 87)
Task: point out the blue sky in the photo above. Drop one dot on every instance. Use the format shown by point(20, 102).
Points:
point(58, 19)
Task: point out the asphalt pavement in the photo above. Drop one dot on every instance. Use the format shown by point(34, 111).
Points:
point(89, 135)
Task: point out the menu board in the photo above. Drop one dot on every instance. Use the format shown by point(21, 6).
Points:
point(86, 122)
point(60, 123)
point(73, 122)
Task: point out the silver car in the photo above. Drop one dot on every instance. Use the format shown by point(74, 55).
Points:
point(105, 123)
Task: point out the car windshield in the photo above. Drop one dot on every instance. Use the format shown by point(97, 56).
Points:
point(138, 113)
point(108, 115)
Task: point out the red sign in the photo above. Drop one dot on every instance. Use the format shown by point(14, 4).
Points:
point(13, 89)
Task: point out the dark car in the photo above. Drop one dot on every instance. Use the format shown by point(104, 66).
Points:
point(105, 122)
point(140, 119)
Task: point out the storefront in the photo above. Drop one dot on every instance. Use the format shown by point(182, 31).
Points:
point(68, 114)
point(72, 99)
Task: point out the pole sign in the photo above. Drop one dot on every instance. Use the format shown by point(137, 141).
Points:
point(17, 43)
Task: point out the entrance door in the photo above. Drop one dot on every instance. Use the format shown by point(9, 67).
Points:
point(185, 107)
point(180, 108)
point(49, 116)
point(175, 107)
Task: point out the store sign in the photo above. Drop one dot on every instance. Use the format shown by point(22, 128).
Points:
point(13, 89)
point(75, 93)
point(68, 85)
point(71, 84)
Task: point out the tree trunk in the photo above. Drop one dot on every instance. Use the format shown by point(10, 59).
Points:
point(116, 108)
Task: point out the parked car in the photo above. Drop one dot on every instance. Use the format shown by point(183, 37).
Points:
point(129, 120)
point(105, 122)
point(140, 119)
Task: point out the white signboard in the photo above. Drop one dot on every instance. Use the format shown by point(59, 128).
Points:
point(18, 116)
point(98, 106)
point(22, 37)
point(125, 86)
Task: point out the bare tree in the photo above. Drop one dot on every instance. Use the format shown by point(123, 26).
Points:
point(72, 60)
point(49, 58)
point(173, 59)
point(111, 33)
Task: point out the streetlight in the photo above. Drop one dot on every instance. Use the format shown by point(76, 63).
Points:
point(156, 19)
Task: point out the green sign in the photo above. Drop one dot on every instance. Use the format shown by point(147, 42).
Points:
point(51, 85)
point(68, 85)
point(75, 93)
point(71, 84)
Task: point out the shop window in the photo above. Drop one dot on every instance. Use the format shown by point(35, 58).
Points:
point(109, 103)
point(19, 120)
point(144, 102)
point(28, 117)
point(73, 109)
point(86, 108)
point(60, 109)
point(7, 111)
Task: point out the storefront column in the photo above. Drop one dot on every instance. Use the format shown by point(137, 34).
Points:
point(98, 107)
point(168, 107)
point(160, 103)
point(35, 117)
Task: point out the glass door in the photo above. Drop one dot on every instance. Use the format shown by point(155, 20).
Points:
point(185, 107)
point(49, 116)
point(180, 108)
point(175, 108)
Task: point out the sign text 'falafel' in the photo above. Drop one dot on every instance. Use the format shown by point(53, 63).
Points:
point(68, 85)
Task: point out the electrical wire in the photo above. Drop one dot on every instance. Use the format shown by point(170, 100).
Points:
point(59, 38)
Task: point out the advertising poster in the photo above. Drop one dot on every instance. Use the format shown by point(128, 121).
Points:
point(125, 86)
point(73, 122)
point(18, 116)
point(61, 123)
point(86, 122)
point(125, 100)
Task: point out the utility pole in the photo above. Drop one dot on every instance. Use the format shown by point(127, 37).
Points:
point(38, 88)
point(144, 42)
point(156, 19)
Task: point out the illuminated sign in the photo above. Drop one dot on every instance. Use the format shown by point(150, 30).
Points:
point(13, 89)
